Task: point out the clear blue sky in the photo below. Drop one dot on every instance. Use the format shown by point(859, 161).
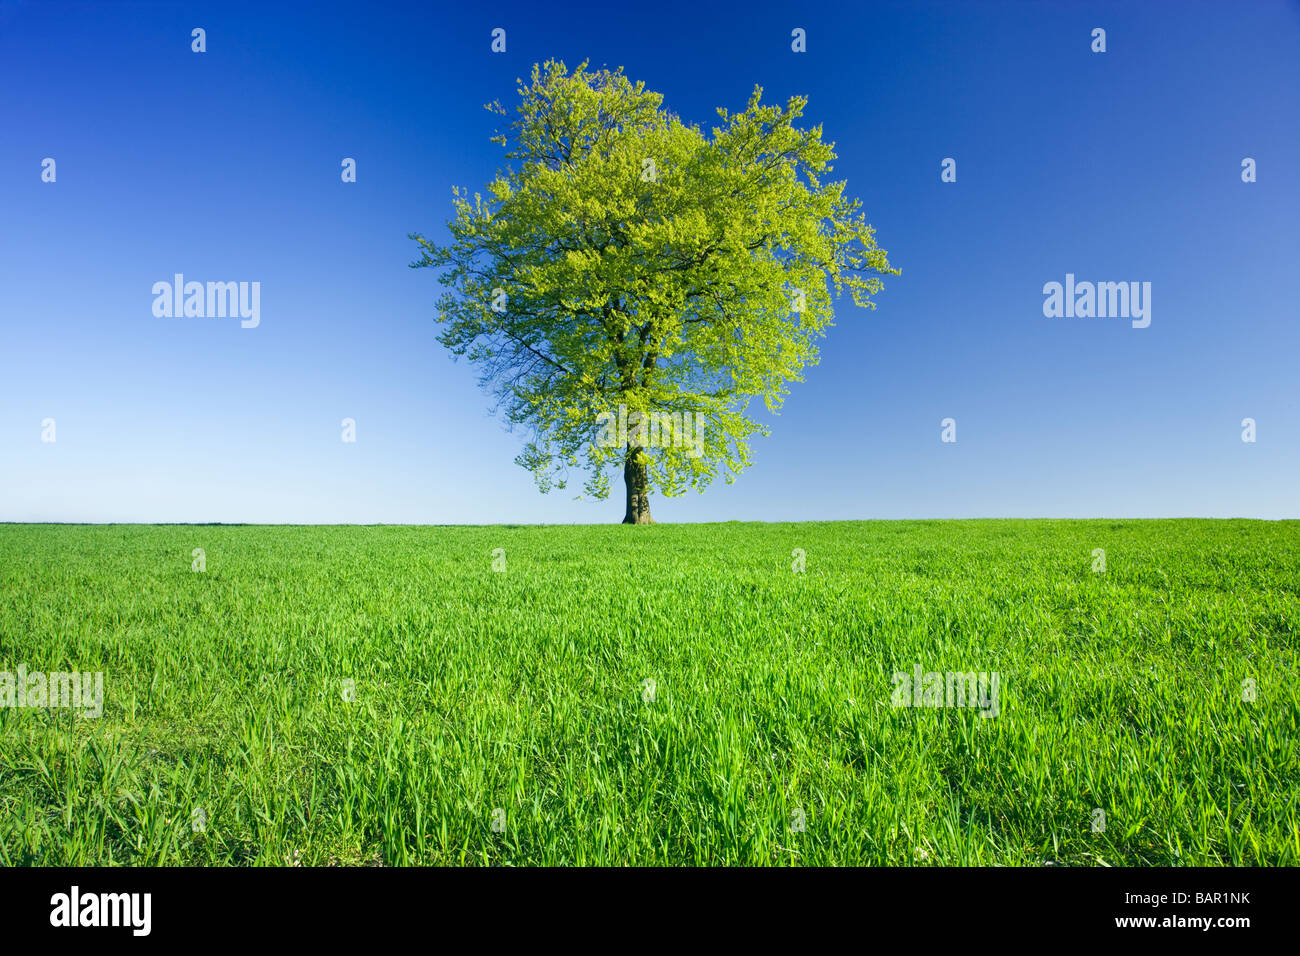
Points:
point(1122, 166)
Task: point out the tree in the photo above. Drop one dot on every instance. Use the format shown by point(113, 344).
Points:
point(630, 280)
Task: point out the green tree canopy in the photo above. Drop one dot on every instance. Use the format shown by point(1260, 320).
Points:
point(626, 259)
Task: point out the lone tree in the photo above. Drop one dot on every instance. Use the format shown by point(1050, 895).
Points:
point(631, 284)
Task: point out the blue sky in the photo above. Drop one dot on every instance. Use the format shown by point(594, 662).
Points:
point(225, 165)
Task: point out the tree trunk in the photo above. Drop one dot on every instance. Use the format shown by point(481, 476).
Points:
point(638, 488)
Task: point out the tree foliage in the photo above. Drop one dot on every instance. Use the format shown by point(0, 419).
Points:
point(625, 258)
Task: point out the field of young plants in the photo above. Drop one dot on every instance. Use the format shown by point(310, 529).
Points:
point(664, 694)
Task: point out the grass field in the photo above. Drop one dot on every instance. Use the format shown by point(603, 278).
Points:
point(504, 717)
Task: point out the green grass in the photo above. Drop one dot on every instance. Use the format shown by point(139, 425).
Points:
point(524, 690)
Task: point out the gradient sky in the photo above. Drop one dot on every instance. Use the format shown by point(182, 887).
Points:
point(1122, 166)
